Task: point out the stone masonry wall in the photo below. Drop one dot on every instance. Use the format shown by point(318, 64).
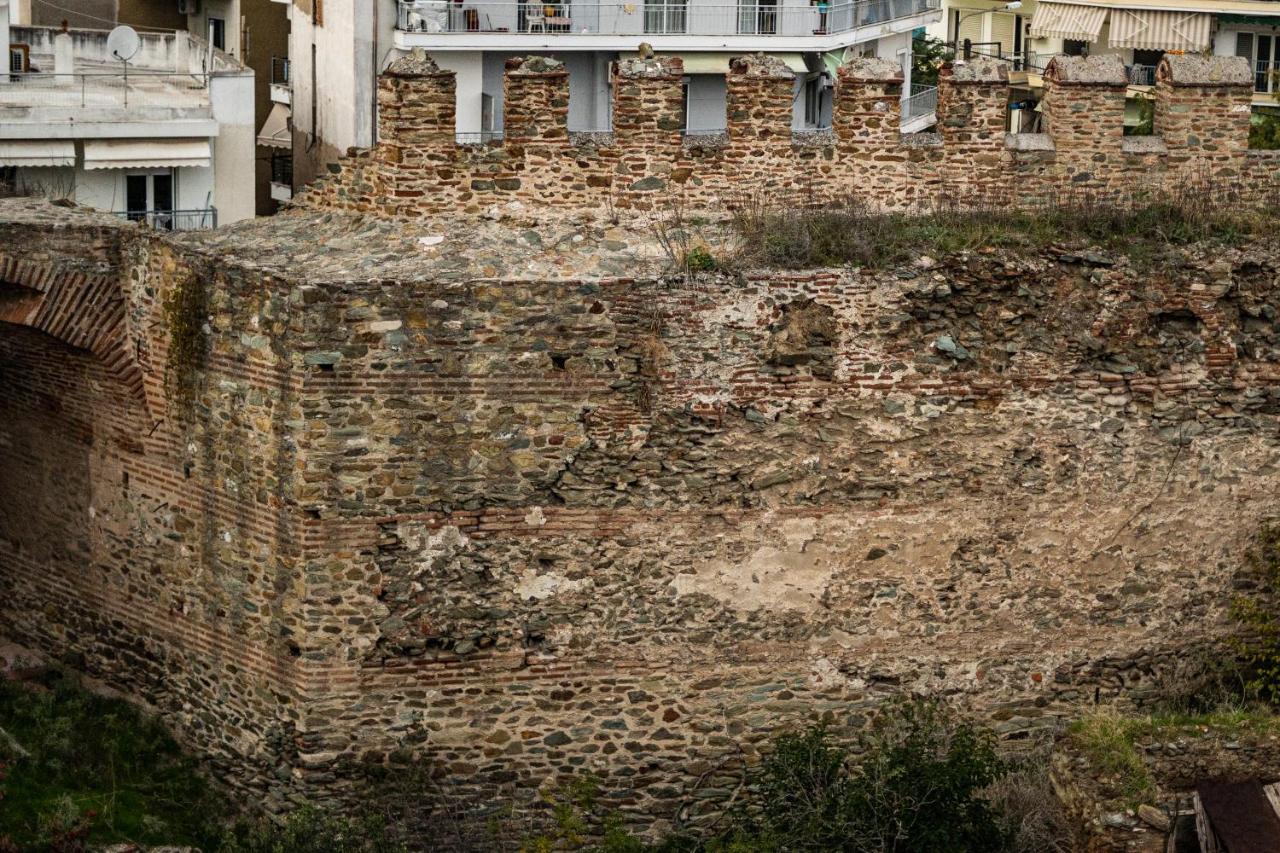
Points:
point(524, 528)
point(629, 527)
point(1202, 109)
point(145, 544)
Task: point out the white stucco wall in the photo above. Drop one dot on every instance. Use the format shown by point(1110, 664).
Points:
point(231, 98)
point(334, 99)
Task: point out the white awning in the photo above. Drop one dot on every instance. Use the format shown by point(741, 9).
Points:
point(718, 63)
point(1146, 29)
point(275, 131)
point(1067, 21)
point(146, 153)
point(43, 152)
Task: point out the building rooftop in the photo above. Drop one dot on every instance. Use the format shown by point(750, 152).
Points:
point(168, 80)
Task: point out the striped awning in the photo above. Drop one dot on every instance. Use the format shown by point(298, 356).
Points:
point(1067, 21)
point(1146, 29)
point(146, 153)
point(42, 152)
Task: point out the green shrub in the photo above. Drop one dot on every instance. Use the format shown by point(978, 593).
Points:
point(1264, 130)
point(79, 769)
point(1258, 643)
point(311, 830)
point(917, 785)
point(699, 259)
point(851, 233)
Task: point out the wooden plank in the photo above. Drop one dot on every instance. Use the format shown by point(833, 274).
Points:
point(1240, 815)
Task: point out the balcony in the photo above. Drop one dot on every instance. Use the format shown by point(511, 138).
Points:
point(281, 88)
point(173, 220)
point(668, 24)
point(919, 111)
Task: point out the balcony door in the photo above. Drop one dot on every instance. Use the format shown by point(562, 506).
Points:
point(757, 17)
point(666, 17)
point(1263, 52)
point(149, 198)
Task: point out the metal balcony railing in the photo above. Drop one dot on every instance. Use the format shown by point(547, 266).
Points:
point(104, 89)
point(1266, 77)
point(173, 220)
point(1142, 75)
point(922, 101)
point(1018, 60)
point(279, 71)
point(657, 17)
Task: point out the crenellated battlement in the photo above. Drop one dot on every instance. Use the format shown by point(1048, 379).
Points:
point(419, 168)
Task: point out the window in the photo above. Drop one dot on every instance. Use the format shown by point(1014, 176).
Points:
point(813, 101)
point(1263, 52)
point(218, 33)
point(665, 16)
point(19, 58)
point(757, 17)
point(1071, 47)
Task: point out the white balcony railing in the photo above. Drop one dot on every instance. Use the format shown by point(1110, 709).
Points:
point(923, 101)
point(104, 89)
point(659, 17)
point(174, 220)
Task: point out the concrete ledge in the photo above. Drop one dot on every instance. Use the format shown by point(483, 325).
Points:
point(1144, 145)
point(1029, 142)
point(1100, 70)
point(1196, 70)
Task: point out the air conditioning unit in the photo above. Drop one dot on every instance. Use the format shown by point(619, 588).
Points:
point(188, 7)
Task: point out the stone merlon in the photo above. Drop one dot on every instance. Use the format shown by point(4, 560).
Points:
point(534, 65)
point(656, 66)
point(1194, 70)
point(761, 65)
point(871, 69)
point(979, 69)
point(415, 64)
point(1101, 70)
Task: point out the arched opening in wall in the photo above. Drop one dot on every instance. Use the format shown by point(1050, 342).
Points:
point(64, 520)
point(46, 449)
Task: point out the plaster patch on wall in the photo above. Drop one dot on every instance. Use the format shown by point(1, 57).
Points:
point(535, 586)
point(792, 577)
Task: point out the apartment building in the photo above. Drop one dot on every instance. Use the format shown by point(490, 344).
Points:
point(1140, 31)
point(167, 139)
point(337, 48)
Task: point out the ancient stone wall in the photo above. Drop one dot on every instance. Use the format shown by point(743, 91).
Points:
point(630, 527)
point(527, 526)
point(145, 543)
point(1202, 109)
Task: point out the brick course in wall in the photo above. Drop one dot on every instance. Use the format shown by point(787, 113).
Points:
point(1202, 111)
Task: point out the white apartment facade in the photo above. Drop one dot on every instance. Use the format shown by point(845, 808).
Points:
point(1139, 31)
point(337, 48)
point(168, 140)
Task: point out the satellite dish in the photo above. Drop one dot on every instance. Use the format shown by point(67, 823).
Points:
point(123, 43)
